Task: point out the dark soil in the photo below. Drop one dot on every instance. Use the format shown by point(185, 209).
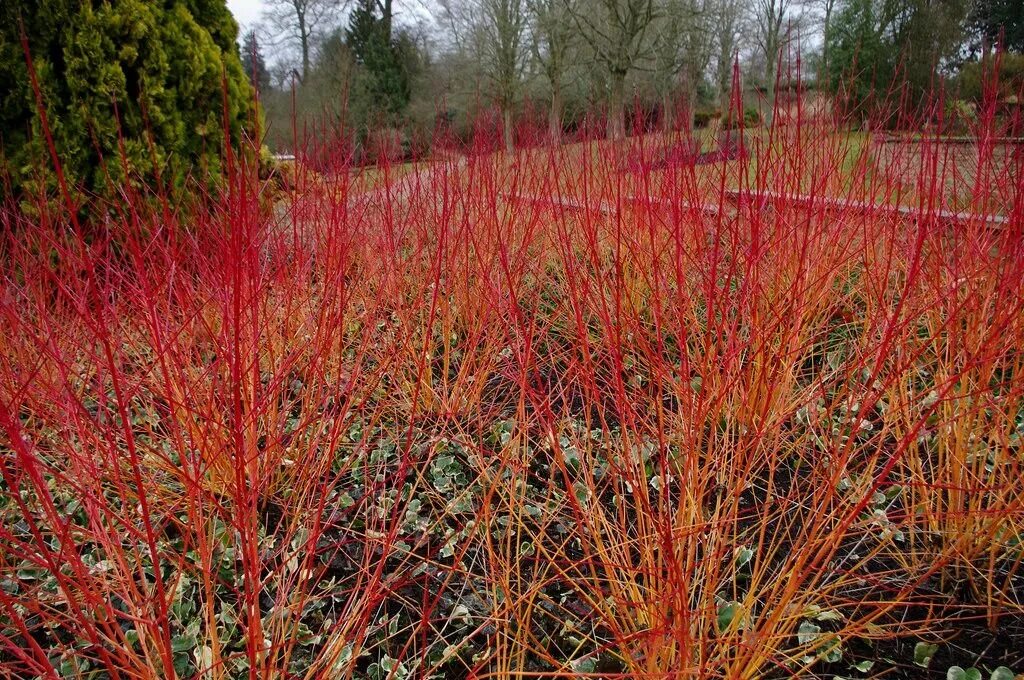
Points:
point(966, 642)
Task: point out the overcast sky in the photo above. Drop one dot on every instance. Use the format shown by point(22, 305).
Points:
point(247, 12)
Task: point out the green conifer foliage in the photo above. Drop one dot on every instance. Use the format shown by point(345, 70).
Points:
point(140, 79)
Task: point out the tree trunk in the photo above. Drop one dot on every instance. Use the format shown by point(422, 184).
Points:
point(506, 129)
point(616, 107)
point(555, 116)
point(668, 114)
point(769, 114)
point(826, 36)
point(304, 39)
point(690, 100)
point(725, 95)
point(689, 113)
point(725, 75)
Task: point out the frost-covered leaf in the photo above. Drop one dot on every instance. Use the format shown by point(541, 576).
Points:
point(585, 665)
point(808, 632)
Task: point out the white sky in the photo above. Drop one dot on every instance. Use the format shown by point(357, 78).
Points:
point(247, 12)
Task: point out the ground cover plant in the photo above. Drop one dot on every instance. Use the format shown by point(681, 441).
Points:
point(544, 414)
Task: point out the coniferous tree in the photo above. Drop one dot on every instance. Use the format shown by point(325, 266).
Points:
point(879, 49)
point(990, 19)
point(253, 63)
point(148, 80)
point(385, 60)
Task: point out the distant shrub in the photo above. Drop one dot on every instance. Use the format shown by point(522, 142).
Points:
point(961, 116)
point(701, 119)
point(1006, 72)
point(751, 118)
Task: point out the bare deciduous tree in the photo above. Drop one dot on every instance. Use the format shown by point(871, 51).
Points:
point(553, 36)
point(503, 28)
point(828, 8)
point(299, 22)
point(729, 16)
point(771, 17)
point(681, 50)
point(616, 31)
point(492, 35)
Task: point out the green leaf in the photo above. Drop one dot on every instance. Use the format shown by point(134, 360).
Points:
point(923, 653)
point(183, 643)
point(958, 673)
point(864, 666)
point(1002, 673)
point(727, 613)
point(833, 652)
point(586, 665)
point(743, 557)
point(181, 664)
